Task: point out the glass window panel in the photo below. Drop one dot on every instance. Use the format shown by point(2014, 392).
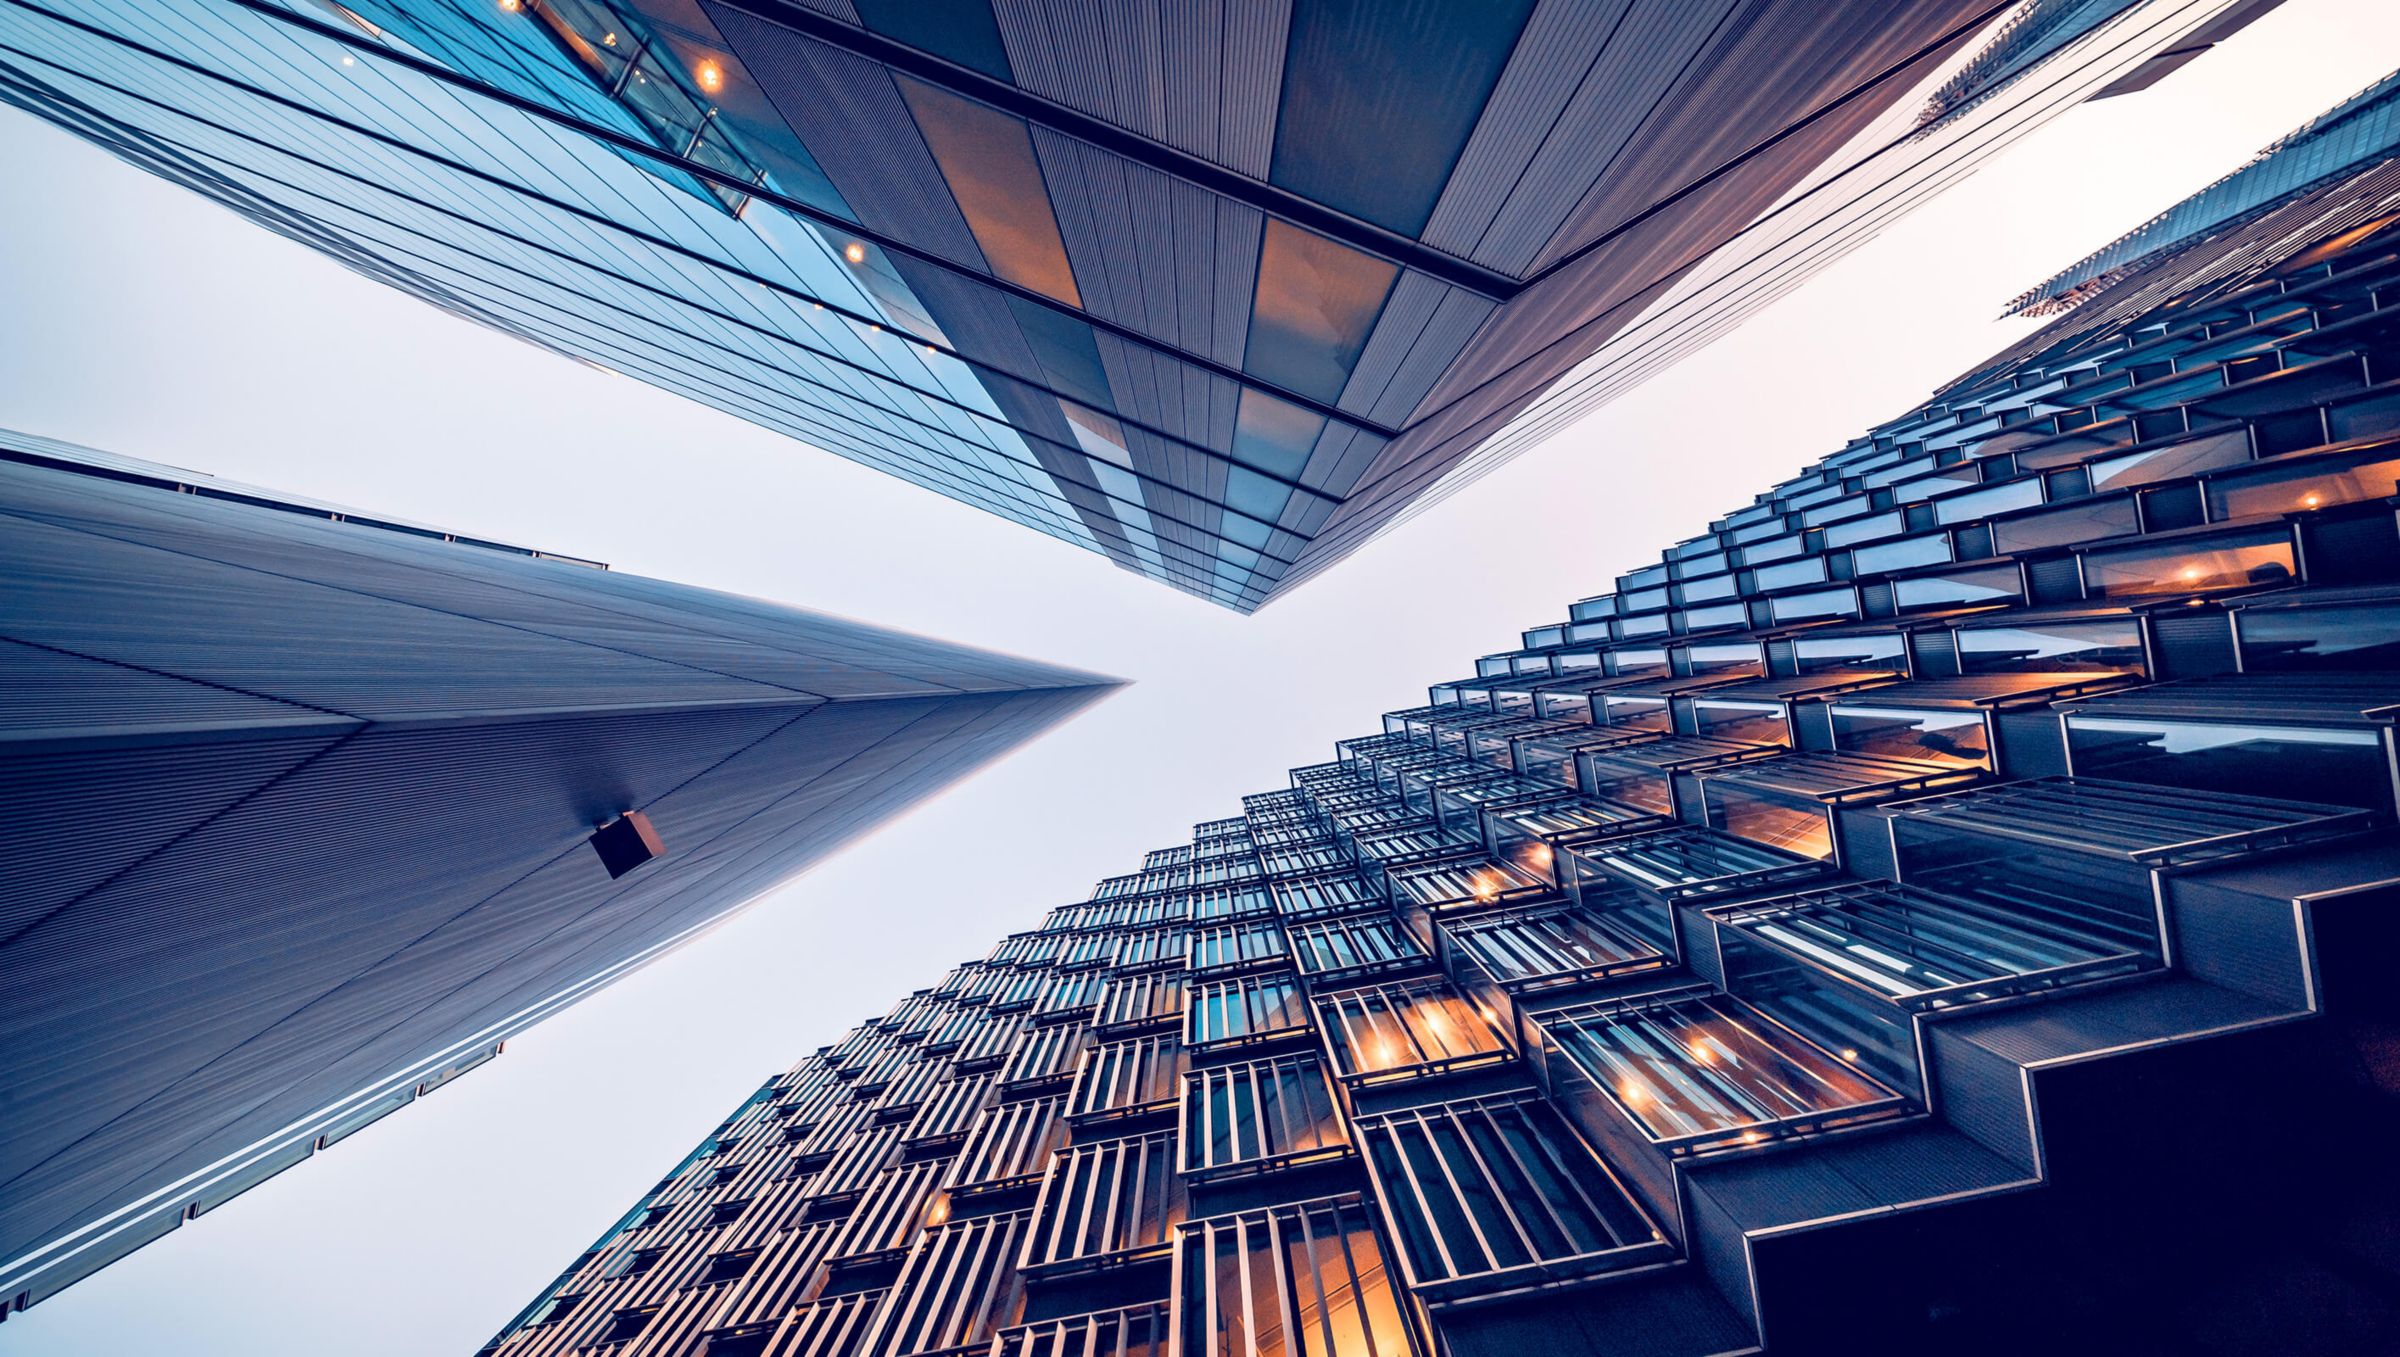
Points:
point(1315, 303)
point(1955, 738)
point(2264, 559)
point(1274, 435)
point(2298, 763)
point(988, 159)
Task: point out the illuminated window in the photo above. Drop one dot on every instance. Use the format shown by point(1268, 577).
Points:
point(1400, 1031)
point(1289, 1281)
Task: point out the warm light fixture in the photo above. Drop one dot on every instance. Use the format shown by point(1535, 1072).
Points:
point(1848, 1054)
point(855, 252)
point(609, 41)
point(2191, 572)
point(512, 6)
point(711, 76)
point(2311, 500)
point(349, 61)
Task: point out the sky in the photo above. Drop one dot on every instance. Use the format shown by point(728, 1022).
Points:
point(137, 318)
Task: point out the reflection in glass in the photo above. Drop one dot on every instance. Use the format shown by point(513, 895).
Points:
point(2299, 763)
point(1954, 738)
point(1315, 303)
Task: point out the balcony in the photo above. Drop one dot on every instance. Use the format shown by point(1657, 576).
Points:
point(1654, 775)
point(1544, 948)
point(1795, 803)
point(1492, 1197)
point(1113, 1203)
point(1695, 1072)
point(1258, 1283)
point(1409, 1029)
point(2084, 855)
point(2311, 737)
point(1634, 882)
point(1261, 1116)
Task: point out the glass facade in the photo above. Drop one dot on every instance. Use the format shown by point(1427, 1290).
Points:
point(1563, 1000)
point(1214, 297)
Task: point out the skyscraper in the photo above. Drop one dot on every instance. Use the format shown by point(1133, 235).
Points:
point(1946, 906)
point(308, 812)
point(1217, 290)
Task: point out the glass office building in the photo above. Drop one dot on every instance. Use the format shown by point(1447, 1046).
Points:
point(1944, 907)
point(1217, 290)
point(309, 811)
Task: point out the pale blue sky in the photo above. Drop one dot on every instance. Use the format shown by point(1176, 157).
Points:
point(142, 320)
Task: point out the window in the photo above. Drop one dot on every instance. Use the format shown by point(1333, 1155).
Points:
point(626, 1325)
point(988, 159)
point(948, 1110)
point(1141, 1331)
point(1361, 944)
point(958, 1288)
point(1492, 1193)
point(888, 1217)
point(1266, 1114)
point(726, 1267)
point(726, 1213)
point(1317, 299)
point(1289, 1281)
point(1115, 1201)
point(1046, 1055)
point(1008, 1147)
point(1123, 1079)
point(1239, 1012)
point(1381, 1033)
point(1129, 1001)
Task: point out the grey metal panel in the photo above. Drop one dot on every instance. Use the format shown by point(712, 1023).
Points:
point(1982, 1094)
point(2030, 743)
point(243, 910)
point(53, 695)
point(1255, 38)
point(77, 817)
point(1619, 94)
point(1554, 55)
point(1452, 327)
point(1405, 315)
point(2239, 939)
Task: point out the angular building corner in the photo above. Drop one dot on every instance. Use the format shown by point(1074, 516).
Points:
point(1949, 905)
point(308, 812)
point(1219, 290)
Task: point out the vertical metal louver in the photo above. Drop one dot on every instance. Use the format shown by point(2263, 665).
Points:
point(1290, 1281)
point(1228, 1013)
point(1008, 1147)
point(1115, 1201)
point(1405, 1030)
point(1490, 1195)
point(1122, 1080)
point(1140, 1331)
point(957, 1290)
point(1259, 1116)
